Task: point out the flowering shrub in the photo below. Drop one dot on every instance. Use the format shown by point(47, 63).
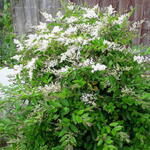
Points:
point(79, 87)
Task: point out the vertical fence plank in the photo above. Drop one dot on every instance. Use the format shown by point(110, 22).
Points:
point(28, 19)
point(35, 12)
point(146, 24)
point(138, 17)
point(124, 5)
point(42, 8)
point(19, 18)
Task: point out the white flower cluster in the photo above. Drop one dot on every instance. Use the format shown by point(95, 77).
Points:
point(127, 91)
point(95, 67)
point(139, 59)
point(18, 45)
point(110, 10)
point(136, 25)
point(98, 67)
point(113, 45)
point(56, 29)
point(73, 32)
point(51, 63)
point(17, 57)
point(18, 69)
point(71, 6)
point(30, 66)
point(59, 72)
point(53, 87)
point(90, 14)
point(72, 19)
point(73, 53)
point(88, 99)
point(48, 17)
point(87, 62)
point(121, 19)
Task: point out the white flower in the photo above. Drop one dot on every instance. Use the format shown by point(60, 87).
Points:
point(110, 44)
point(31, 63)
point(60, 71)
point(41, 42)
point(53, 87)
point(87, 62)
point(90, 14)
point(17, 57)
point(136, 25)
point(71, 53)
point(70, 7)
point(80, 40)
point(98, 67)
point(56, 29)
point(18, 69)
point(139, 59)
point(72, 19)
point(85, 27)
point(88, 99)
point(59, 15)
point(52, 63)
point(95, 7)
point(64, 69)
point(62, 39)
point(18, 45)
point(70, 30)
point(48, 17)
point(113, 45)
point(41, 27)
point(43, 45)
point(127, 91)
point(31, 66)
point(31, 40)
point(63, 57)
point(121, 19)
point(110, 10)
point(95, 31)
point(46, 36)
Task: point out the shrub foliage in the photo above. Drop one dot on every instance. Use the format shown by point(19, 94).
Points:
point(80, 86)
point(7, 46)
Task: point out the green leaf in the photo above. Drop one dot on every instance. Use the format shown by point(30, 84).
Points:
point(73, 141)
point(100, 142)
point(65, 111)
point(80, 112)
point(64, 102)
point(116, 129)
point(73, 128)
point(80, 82)
point(63, 132)
point(79, 119)
point(114, 124)
point(108, 129)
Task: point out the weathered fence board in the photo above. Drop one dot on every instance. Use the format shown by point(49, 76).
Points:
point(26, 13)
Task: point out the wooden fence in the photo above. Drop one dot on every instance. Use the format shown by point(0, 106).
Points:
point(27, 13)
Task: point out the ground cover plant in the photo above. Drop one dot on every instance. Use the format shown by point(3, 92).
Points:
point(79, 86)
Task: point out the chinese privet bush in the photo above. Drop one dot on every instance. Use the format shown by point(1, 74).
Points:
point(80, 86)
